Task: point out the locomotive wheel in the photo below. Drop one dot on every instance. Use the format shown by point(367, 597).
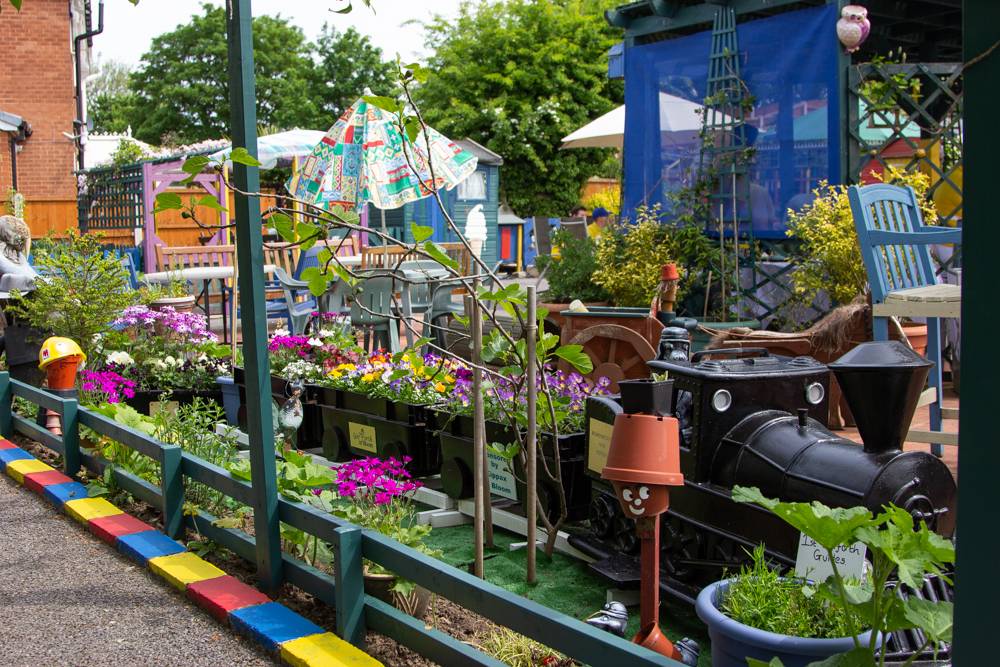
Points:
point(618, 353)
point(602, 515)
point(681, 541)
point(624, 537)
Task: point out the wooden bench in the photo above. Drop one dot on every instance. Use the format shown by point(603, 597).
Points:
point(173, 258)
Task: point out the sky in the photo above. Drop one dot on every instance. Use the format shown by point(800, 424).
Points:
point(128, 29)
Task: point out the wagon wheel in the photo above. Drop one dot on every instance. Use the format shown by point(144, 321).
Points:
point(618, 353)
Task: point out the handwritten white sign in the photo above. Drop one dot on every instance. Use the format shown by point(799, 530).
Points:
point(812, 561)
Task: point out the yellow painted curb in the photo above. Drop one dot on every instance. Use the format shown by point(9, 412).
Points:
point(18, 469)
point(325, 650)
point(183, 569)
point(85, 509)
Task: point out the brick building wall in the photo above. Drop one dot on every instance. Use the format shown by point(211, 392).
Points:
point(37, 83)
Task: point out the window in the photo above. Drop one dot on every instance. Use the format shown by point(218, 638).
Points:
point(474, 187)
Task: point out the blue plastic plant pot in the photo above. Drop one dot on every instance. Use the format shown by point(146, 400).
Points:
point(733, 642)
point(230, 399)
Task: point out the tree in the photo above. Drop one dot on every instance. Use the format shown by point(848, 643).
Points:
point(517, 76)
point(109, 97)
point(182, 91)
point(347, 63)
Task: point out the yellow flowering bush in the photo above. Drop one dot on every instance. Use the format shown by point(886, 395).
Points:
point(629, 258)
point(831, 258)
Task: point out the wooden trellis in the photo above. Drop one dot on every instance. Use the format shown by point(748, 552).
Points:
point(922, 120)
point(111, 198)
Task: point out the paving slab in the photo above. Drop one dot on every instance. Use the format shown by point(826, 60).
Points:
point(140, 547)
point(85, 509)
point(272, 624)
point(18, 469)
point(325, 650)
point(37, 481)
point(60, 494)
point(183, 569)
point(110, 528)
point(222, 595)
point(11, 455)
point(68, 599)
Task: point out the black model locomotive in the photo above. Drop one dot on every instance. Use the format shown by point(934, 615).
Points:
point(751, 419)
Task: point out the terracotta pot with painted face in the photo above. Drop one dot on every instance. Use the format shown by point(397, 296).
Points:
point(643, 460)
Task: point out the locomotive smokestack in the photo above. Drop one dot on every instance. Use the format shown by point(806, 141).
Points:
point(882, 382)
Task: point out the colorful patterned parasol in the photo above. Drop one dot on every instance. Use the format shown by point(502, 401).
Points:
point(361, 160)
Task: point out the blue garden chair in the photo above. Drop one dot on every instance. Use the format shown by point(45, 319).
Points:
point(903, 281)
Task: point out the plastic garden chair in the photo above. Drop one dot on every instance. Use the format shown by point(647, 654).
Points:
point(296, 310)
point(372, 312)
point(901, 274)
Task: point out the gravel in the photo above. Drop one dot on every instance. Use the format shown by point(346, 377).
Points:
point(66, 598)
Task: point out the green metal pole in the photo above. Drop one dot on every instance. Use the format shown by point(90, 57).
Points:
point(978, 457)
point(250, 256)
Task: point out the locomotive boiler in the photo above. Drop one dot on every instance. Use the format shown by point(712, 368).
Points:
point(752, 419)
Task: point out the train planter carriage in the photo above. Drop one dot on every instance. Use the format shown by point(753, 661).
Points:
point(761, 421)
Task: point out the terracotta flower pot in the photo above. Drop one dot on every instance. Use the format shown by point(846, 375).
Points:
point(380, 586)
point(182, 304)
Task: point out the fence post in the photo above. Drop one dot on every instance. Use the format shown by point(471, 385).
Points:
point(6, 406)
point(172, 488)
point(71, 436)
point(349, 590)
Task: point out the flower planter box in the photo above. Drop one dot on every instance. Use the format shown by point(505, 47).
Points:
point(143, 400)
point(733, 642)
point(384, 408)
point(310, 433)
point(348, 433)
point(455, 433)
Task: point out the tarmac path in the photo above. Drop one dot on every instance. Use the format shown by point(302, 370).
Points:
point(67, 598)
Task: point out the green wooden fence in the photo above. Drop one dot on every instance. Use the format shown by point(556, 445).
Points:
point(344, 590)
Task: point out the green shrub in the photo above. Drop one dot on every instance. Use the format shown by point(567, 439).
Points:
point(762, 599)
point(829, 256)
point(570, 276)
point(629, 257)
point(81, 293)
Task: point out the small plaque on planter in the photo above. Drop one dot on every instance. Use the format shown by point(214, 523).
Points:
point(600, 443)
point(156, 407)
point(502, 481)
point(363, 437)
point(812, 561)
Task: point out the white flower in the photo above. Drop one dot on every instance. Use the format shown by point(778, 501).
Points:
point(281, 331)
point(316, 342)
point(160, 365)
point(327, 333)
point(120, 359)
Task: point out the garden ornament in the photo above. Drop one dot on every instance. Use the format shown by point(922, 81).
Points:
point(853, 27)
point(15, 243)
point(290, 416)
point(612, 618)
point(475, 229)
point(60, 358)
point(643, 461)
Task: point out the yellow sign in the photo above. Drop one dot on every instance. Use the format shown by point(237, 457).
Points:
point(599, 444)
point(362, 437)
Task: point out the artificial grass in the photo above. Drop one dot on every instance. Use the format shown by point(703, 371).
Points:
point(564, 584)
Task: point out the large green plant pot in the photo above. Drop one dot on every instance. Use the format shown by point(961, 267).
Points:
point(381, 428)
point(455, 435)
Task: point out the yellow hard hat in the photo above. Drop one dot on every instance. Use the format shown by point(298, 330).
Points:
point(56, 348)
